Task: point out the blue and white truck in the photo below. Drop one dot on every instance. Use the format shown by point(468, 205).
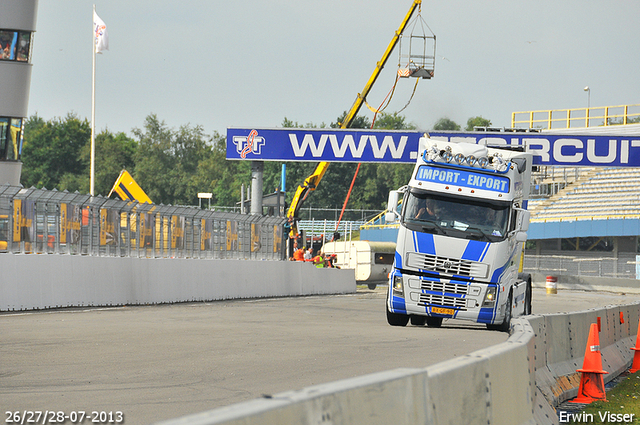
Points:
point(463, 223)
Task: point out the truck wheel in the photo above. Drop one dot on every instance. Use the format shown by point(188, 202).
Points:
point(528, 292)
point(527, 299)
point(372, 286)
point(418, 320)
point(395, 319)
point(506, 323)
point(434, 322)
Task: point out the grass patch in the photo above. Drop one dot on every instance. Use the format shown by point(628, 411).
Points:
point(623, 399)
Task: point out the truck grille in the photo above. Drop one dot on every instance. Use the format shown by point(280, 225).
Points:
point(442, 287)
point(447, 265)
point(442, 300)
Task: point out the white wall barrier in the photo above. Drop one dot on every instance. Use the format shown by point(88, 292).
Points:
point(30, 282)
point(520, 381)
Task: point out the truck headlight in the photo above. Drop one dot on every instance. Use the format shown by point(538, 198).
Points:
point(489, 297)
point(397, 285)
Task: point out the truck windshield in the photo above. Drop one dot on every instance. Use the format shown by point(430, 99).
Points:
point(460, 217)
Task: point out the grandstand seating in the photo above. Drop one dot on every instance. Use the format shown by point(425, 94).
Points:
point(597, 193)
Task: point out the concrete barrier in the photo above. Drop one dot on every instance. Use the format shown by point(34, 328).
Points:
point(520, 381)
point(561, 343)
point(49, 281)
point(479, 388)
point(517, 382)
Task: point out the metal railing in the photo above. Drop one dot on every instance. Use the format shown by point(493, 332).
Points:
point(327, 227)
point(577, 117)
point(623, 266)
point(39, 221)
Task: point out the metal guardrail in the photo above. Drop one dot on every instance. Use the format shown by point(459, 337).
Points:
point(38, 221)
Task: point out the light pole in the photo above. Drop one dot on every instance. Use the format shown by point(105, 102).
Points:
point(588, 90)
point(586, 115)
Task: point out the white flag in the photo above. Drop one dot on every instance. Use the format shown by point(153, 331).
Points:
point(100, 36)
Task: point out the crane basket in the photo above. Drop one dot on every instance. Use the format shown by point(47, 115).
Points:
point(418, 59)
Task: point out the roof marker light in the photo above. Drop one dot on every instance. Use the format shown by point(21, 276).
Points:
point(483, 162)
point(447, 155)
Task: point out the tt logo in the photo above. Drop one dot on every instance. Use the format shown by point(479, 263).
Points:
point(249, 144)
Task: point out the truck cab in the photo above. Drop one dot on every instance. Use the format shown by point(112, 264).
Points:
point(463, 222)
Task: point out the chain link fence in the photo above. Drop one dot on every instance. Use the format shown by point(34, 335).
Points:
point(39, 221)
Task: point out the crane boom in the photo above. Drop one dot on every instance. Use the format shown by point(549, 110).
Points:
point(313, 180)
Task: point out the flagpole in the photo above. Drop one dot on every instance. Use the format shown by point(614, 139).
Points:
point(93, 112)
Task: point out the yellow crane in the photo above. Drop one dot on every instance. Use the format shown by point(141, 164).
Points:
point(313, 180)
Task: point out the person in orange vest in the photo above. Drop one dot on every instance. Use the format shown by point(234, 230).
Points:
point(298, 255)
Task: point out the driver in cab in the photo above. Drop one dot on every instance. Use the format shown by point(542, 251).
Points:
point(428, 209)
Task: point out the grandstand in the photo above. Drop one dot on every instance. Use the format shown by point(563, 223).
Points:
point(586, 221)
point(597, 193)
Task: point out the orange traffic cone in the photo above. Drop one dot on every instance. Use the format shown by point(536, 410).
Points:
point(635, 366)
point(591, 383)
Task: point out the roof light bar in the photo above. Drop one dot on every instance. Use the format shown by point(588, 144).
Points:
point(433, 154)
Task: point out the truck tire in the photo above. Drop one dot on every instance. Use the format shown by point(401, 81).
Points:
point(527, 299)
point(395, 319)
point(528, 292)
point(505, 326)
point(418, 320)
point(372, 286)
point(434, 322)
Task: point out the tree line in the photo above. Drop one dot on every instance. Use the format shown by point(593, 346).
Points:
point(173, 165)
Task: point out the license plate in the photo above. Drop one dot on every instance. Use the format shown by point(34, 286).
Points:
point(440, 310)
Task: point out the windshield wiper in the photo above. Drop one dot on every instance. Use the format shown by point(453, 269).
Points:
point(480, 233)
point(429, 226)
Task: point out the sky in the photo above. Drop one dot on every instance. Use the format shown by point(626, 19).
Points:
point(251, 63)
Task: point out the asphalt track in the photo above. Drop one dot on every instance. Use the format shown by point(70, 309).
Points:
point(160, 362)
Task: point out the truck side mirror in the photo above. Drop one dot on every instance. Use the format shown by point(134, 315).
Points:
point(523, 220)
point(521, 236)
point(389, 217)
point(392, 206)
point(521, 225)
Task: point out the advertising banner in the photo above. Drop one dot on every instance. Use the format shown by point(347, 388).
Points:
point(177, 232)
point(313, 145)
point(232, 235)
point(109, 224)
point(385, 146)
point(277, 239)
point(256, 229)
point(205, 235)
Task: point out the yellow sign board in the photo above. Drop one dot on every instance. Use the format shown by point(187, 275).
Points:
point(128, 190)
